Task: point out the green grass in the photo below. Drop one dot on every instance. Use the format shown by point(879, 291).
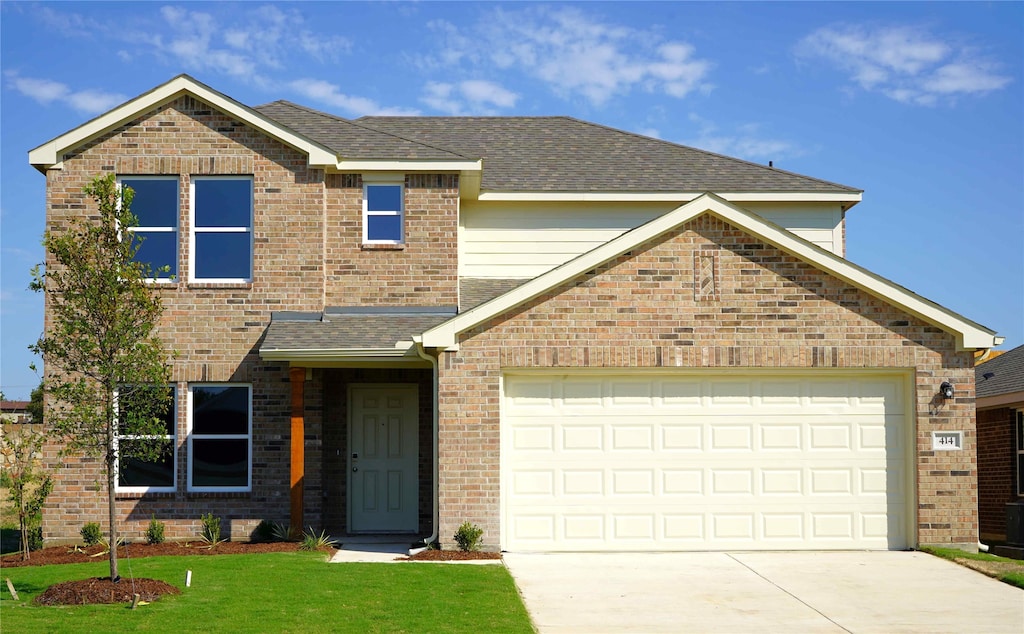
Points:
point(280, 592)
point(1012, 577)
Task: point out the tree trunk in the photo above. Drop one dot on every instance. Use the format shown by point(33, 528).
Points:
point(112, 508)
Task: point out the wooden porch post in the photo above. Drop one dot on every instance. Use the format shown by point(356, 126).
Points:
point(298, 453)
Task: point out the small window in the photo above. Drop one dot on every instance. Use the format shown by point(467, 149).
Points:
point(222, 229)
point(1020, 453)
point(220, 437)
point(382, 214)
point(155, 205)
point(135, 474)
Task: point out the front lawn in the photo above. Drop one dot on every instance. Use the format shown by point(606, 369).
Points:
point(1007, 570)
point(279, 592)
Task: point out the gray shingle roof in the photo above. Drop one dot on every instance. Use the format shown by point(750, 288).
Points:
point(568, 155)
point(355, 330)
point(474, 291)
point(550, 154)
point(1007, 374)
point(349, 139)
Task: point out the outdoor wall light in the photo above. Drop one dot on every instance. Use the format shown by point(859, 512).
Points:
point(946, 390)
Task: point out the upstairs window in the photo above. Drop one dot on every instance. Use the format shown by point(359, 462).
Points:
point(220, 437)
point(135, 474)
point(155, 205)
point(383, 217)
point(221, 229)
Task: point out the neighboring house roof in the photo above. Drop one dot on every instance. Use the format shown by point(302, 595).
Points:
point(349, 332)
point(562, 154)
point(1000, 381)
point(969, 335)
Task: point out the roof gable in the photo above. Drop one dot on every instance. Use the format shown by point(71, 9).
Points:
point(51, 153)
point(969, 335)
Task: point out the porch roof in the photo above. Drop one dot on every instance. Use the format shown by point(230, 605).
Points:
point(349, 331)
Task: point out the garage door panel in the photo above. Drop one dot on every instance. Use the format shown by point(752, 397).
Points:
point(685, 463)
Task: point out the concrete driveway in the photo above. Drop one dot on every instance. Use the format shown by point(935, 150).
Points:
point(762, 592)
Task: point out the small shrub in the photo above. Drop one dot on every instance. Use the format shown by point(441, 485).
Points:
point(282, 532)
point(264, 532)
point(211, 530)
point(312, 541)
point(35, 538)
point(91, 534)
point(468, 536)
point(155, 532)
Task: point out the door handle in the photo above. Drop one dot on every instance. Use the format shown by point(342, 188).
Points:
point(354, 469)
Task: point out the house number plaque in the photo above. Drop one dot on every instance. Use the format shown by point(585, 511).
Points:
point(947, 440)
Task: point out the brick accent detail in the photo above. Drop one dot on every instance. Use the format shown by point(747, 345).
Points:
point(772, 311)
point(997, 448)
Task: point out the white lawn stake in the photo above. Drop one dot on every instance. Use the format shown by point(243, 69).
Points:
point(188, 578)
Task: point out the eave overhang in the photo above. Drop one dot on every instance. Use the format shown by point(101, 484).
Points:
point(969, 335)
point(846, 199)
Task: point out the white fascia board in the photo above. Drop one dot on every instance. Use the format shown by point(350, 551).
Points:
point(297, 354)
point(969, 334)
point(405, 167)
point(49, 154)
point(680, 197)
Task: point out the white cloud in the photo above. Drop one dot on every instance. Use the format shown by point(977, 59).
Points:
point(744, 141)
point(907, 64)
point(331, 95)
point(474, 96)
point(576, 55)
point(46, 91)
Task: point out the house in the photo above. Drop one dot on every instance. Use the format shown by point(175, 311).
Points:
point(14, 412)
point(575, 337)
point(1000, 403)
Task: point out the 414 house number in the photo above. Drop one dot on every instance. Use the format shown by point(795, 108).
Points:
point(947, 440)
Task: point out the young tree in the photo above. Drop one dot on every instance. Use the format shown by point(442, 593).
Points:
point(27, 484)
point(106, 372)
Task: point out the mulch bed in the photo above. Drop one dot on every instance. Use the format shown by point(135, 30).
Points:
point(451, 555)
point(73, 555)
point(101, 590)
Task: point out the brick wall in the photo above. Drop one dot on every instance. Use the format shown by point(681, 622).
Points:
point(996, 456)
point(307, 253)
point(648, 308)
point(421, 272)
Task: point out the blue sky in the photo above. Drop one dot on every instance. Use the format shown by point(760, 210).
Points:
point(919, 104)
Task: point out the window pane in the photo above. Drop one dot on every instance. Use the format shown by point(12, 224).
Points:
point(384, 198)
point(220, 463)
point(223, 202)
point(133, 472)
point(220, 410)
point(223, 256)
point(1020, 474)
point(137, 406)
point(384, 228)
point(156, 201)
point(158, 249)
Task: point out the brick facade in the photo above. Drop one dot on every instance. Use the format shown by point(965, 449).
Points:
point(643, 310)
point(997, 450)
point(307, 253)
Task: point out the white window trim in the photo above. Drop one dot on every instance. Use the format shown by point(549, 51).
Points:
point(197, 230)
point(174, 453)
point(176, 229)
point(391, 212)
point(247, 436)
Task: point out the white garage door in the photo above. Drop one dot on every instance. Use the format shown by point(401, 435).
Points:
point(662, 462)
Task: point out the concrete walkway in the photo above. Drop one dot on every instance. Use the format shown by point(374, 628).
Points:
point(762, 592)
